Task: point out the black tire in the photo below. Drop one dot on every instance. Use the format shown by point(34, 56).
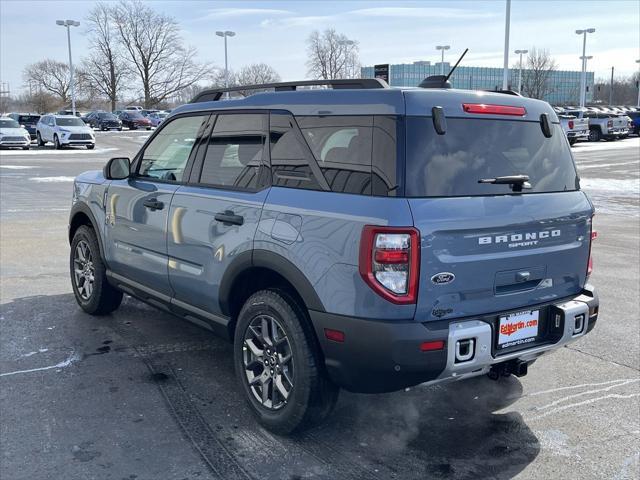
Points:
point(103, 298)
point(25, 148)
point(312, 395)
point(56, 142)
point(90, 147)
point(119, 129)
point(39, 138)
point(595, 135)
point(572, 141)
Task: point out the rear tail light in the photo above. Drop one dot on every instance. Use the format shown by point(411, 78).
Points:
point(610, 123)
point(494, 109)
point(594, 235)
point(390, 262)
point(571, 124)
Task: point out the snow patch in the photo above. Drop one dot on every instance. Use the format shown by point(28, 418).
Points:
point(16, 167)
point(52, 179)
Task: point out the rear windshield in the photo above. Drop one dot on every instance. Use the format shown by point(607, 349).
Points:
point(474, 149)
point(69, 122)
point(106, 116)
point(24, 119)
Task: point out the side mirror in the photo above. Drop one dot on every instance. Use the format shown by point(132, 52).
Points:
point(117, 168)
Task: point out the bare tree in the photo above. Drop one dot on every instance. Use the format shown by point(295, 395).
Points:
point(156, 51)
point(332, 55)
point(625, 91)
point(51, 76)
point(104, 71)
point(536, 74)
point(255, 74)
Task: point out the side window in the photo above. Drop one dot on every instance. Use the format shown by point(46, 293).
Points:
point(289, 163)
point(166, 156)
point(235, 151)
point(342, 146)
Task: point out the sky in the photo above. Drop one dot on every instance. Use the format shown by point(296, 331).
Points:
point(275, 32)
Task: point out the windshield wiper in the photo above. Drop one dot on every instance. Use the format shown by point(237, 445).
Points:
point(516, 182)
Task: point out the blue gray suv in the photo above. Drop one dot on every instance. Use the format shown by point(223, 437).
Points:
point(358, 237)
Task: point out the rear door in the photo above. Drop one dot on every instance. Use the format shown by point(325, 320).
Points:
point(486, 248)
point(213, 219)
point(137, 208)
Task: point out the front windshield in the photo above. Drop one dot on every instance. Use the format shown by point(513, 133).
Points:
point(106, 116)
point(8, 123)
point(69, 122)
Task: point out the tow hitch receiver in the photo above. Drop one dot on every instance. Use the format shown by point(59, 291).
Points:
point(515, 367)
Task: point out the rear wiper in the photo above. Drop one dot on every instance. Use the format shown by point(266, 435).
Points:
point(516, 182)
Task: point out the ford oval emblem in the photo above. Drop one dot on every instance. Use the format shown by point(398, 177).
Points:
point(443, 278)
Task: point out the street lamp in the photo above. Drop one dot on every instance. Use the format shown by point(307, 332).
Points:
point(226, 34)
point(638, 61)
point(442, 48)
point(70, 23)
point(583, 79)
point(347, 43)
point(505, 65)
point(520, 52)
point(584, 62)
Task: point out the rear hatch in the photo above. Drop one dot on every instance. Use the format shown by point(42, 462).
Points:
point(486, 249)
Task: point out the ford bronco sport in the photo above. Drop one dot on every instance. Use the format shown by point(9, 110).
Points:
point(358, 237)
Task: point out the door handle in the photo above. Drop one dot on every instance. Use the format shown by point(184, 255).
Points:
point(153, 204)
point(229, 218)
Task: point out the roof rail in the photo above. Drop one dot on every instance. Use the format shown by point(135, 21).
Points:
point(212, 95)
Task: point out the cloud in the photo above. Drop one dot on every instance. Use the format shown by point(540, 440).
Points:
point(300, 21)
point(241, 12)
point(421, 12)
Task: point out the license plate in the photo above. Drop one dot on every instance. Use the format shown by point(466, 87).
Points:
point(518, 328)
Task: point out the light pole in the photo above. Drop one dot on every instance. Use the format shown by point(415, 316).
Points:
point(225, 34)
point(638, 61)
point(505, 66)
point(584, 90)
point(70, 23)
point(442, 48)
point(583, 79)
point(520, 52)
point(347, 57)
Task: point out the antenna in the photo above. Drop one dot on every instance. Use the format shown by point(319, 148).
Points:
point(456, 65)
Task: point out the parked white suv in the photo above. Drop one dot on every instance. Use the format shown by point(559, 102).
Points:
point(12, 134)
point(64, 130)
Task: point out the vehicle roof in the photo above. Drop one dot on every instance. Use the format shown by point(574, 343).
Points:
point(379, 101)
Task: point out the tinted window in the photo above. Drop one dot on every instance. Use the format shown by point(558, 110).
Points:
point(8, 123)
point(289, 161)
point(342, 147)
point(383, 162)
point(235, 151)
point(166, 156)
point(473, 149)
point(28, 119)
point(69, 122)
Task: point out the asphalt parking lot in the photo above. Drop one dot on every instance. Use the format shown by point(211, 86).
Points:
point(140, 394)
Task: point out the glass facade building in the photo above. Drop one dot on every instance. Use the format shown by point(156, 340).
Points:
point(564, 84)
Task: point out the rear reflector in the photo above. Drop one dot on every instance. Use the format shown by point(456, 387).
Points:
point(594, 235)
point(430, 346)
point(494, 109)
point(334, 335)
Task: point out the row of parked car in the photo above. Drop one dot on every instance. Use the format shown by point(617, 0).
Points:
point(597, 122)
point(65, 129)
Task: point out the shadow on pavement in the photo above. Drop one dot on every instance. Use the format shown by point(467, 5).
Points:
point(455, 430)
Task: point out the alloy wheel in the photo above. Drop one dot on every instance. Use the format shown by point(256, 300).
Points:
point(268, 362)
point(83, 270)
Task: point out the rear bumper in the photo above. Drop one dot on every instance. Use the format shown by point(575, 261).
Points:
point(381, 356)
point(578, 134)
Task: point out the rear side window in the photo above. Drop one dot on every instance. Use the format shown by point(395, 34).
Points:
point(352, 154)
point(474, 149)
point(290, 163)
point(342, 148)
point(235, 151)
